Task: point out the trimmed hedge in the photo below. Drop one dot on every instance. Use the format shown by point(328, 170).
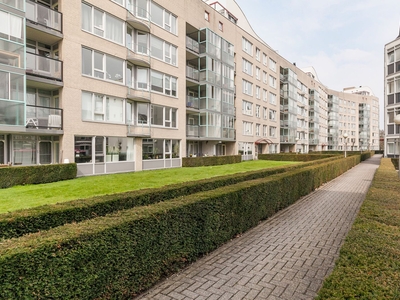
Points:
point(369, 263)
point(11, 176)
point(210, 160)
point(395, 162)
point(294, 156)
point(119, 255)
point(18, 223)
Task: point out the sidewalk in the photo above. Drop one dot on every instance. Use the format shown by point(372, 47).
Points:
point(285, 257)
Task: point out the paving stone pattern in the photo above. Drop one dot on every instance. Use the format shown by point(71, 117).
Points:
point(285, 257)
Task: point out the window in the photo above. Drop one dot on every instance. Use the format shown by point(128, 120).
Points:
point(265, 93)
point(104, 149)
point(265, 132)
point(102, 24)
point(247, 87)
point(258, 108)
point(97, 107)
point(220, 26)
point(258, 54)
point(163, 83)
point(163, 18)
point(258, 73)
point(163, 50)
point(264, 77)
point(207, 16)
point(258, 92)
point(163, 116)
point(160, 149)
point(247, 67)
point(247, 108)
point(272, 115)
point(272, 64)
point(247, 46)
point(264, 59)
point(272, 81)
point(265, 113)
point(257, 129)
point(103, 66)
point(247, 128)
point(272, 131)
point(11, 27)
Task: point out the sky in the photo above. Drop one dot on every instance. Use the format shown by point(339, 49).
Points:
point(342, 39)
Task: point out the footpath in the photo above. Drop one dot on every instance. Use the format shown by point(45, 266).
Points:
point(288, 256)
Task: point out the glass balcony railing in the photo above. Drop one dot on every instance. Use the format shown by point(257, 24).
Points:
point(192, 130)
point(192, 73)
point(43, 15)
point(41, 117)
point(192, 102)
point(139, 129)
point(191, 44)
point(18, 4)
point(43, 66)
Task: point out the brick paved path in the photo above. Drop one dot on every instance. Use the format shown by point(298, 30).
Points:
point(287, 256)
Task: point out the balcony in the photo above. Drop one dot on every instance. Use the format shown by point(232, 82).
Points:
point(44, 24)
point(192, 73)
point(139, 130)
point(192, 102)
point(45, 71)
point(41, 117)
point(138, 18)
point(138, 55)
point(192, 45)
point(138, 95)
point(228, 133)
point(192, 130)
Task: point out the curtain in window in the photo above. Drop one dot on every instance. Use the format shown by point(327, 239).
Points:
point(114, 29)
point(157, 14)
point(142, 79)
point(87, 106)
point(115, 110)
point(157, 48)
point(4, 25)
point(156, 81)
point(86, 17)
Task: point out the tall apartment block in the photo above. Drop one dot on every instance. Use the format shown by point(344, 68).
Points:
point(130, 85)
point(392, 97)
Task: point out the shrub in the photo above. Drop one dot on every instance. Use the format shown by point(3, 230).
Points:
point(210, 160)
point(11, 176)
point(119, 255)
point(369, 263)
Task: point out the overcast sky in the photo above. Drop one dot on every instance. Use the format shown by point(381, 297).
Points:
point(342, 39)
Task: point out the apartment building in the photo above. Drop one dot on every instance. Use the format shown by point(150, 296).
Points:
point(392, 97)
point(130, 85)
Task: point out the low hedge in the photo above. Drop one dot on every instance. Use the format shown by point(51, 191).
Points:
point(294, 156)
point(395, 162)
point(11, 176)
point(210, 160)
point(18, 223)
point(369, 263)
point(119, 255)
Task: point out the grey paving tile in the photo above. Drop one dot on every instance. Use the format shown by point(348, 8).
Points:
point(285, 257)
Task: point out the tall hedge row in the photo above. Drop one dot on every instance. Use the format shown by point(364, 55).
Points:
point(294, 156)
point(119, 255)
point(11, 176)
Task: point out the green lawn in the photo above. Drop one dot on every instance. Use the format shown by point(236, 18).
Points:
point(21, 197)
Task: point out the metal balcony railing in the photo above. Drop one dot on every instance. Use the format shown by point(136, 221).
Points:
point(192, 102)
point(43, 15)
point(41, 117)
point(191, 44)
point(44, 66)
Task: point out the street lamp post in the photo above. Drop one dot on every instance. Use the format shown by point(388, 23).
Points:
point(345, 144)
point(397, 121)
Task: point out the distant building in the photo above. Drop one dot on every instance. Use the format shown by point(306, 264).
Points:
point(392, 97)
point(130, 85)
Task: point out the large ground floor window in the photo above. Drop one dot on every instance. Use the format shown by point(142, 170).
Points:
point(160, 149)
point(32, 150)
point(100, 149)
